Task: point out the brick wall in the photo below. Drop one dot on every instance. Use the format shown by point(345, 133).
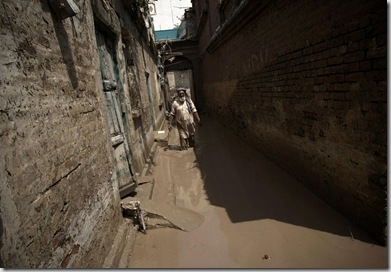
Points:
point(59, 203)
point(55, 161)
point(306, 83)
point(148, 108)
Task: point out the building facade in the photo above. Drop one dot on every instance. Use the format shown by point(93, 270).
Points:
point(305, 82)
point(80, 98)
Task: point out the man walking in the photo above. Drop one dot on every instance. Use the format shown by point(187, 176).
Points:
point(184, 111)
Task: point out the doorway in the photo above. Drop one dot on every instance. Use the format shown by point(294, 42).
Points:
point(114, 96)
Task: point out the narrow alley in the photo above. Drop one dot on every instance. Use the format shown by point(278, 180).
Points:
point(290, 166)
point(254, 214)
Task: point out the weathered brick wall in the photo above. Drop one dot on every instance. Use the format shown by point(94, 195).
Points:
point(305, 82)
point(59, 206)
point(149, 103)
point(145, 103)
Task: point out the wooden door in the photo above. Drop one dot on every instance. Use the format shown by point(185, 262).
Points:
point(112, 90)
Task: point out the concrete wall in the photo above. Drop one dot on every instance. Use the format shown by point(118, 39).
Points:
point(305, 82)
point(59, 204)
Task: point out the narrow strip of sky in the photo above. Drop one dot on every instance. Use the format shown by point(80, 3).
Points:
point(168, 13)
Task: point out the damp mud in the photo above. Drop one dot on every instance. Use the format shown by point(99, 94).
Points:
point(230, 207)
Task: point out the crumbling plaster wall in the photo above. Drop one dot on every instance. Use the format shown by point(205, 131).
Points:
point(145, 103)
point(58, 203)
point(148, 116)
point(305, 82)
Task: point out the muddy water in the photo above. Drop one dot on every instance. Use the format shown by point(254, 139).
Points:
point(254, 214)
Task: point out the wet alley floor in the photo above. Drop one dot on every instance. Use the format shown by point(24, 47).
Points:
point(250, 213)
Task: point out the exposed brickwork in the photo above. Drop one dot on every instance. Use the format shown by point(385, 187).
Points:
point(59, 202)
point(146, 100)
point(306, 83)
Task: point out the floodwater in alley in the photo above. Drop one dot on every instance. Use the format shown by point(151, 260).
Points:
point(254, 215)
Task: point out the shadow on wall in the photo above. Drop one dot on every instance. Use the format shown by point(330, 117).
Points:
point(65, 47)
point(250, 187)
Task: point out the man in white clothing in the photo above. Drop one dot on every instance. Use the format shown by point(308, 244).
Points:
point(184, 111)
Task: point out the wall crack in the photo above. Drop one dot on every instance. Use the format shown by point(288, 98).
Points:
point(62, 178)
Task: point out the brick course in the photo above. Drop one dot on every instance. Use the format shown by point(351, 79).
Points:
point(311, 94)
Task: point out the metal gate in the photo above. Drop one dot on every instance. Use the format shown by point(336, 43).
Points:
point(113, 92)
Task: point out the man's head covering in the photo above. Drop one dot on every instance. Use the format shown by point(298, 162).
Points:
point(181, 89)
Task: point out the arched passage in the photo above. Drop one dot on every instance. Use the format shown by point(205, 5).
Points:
point(180, 61)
